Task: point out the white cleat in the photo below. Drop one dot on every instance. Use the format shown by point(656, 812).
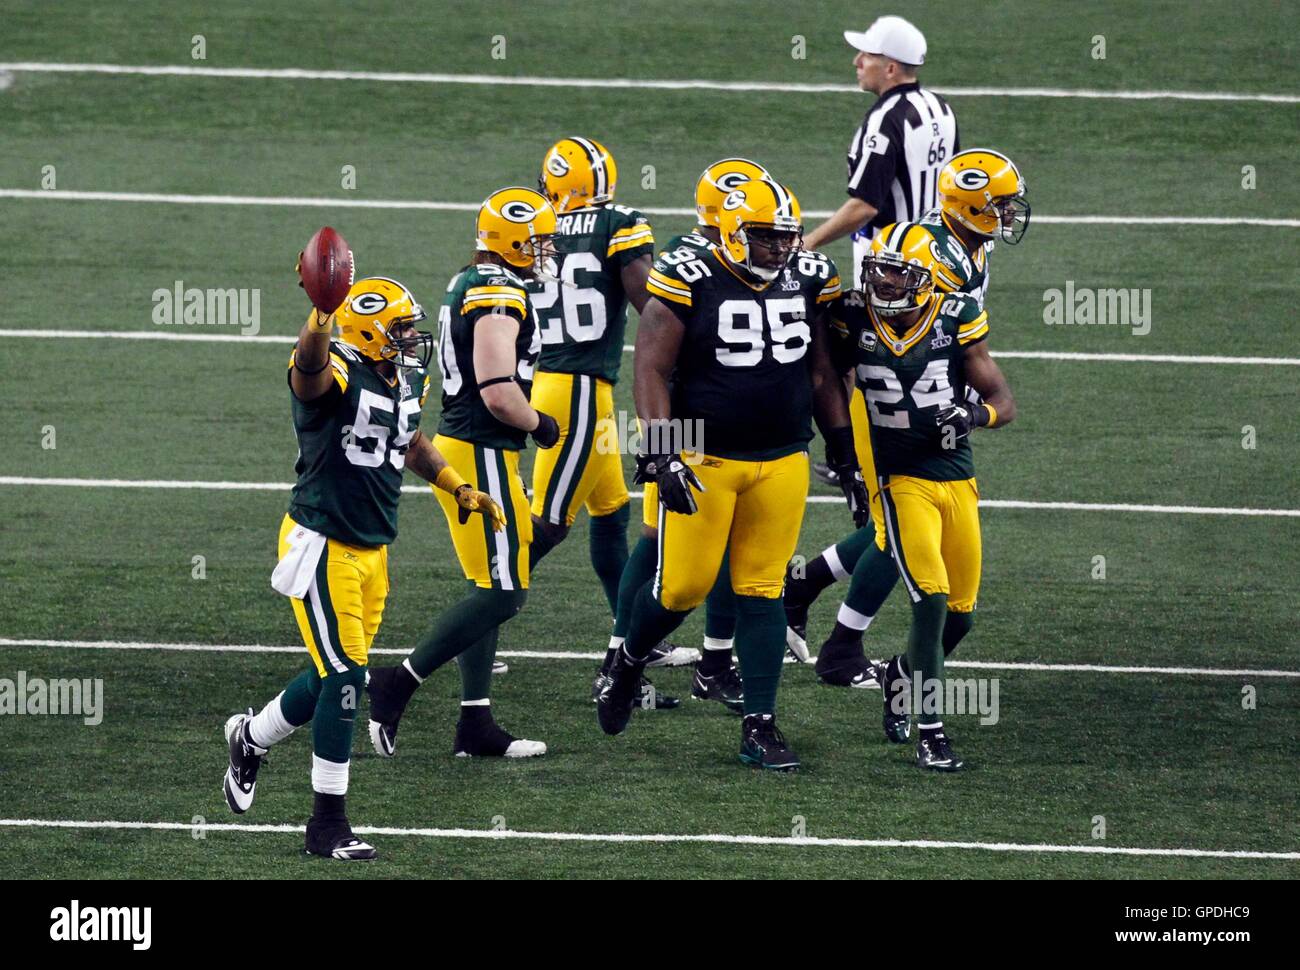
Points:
point(665, 654)
point(797, 645)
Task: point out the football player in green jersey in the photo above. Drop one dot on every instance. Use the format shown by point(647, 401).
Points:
point(982, 198)
point(915, 351)
point(487, 351)
point(356, 405)
point(731, 363)
point(603, 254)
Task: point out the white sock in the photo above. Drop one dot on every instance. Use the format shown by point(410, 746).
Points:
point(837, 568)
point(713, 643)
point(268, 726)
point(852, 619)
point(411, 670)
point(615, 642)
point(328, 777)
point(481, 702)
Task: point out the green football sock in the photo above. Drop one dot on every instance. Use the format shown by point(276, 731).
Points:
point(463, 625)
point(476, 668)
point(720, 605)
point(760, 650)
point(298, 705)
point(336, 714)
point(651, 622)
point(874, 578)
point(607, 538)
point(851, 547)
point(955, 628)
point(925, 655)
point(640, 569)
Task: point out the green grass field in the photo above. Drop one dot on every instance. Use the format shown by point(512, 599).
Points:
point(1171, 760)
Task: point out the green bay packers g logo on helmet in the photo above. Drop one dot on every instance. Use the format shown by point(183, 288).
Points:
point(984, 191)
point(517, 224)
point(761, 227)
point(718, 181)
point(378, 318)
point(576, 173)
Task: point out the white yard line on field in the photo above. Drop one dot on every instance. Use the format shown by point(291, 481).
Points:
point(73, 195)
point(660, 838)
point(183, 336)
point(1073, 668)
point(637, 84)
point(163, 484)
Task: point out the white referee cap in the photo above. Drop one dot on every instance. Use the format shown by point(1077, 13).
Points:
point(892, 36)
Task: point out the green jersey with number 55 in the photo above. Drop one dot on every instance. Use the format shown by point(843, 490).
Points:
point(907, 378)
point(742, 370)
point(352, 445)
point(582, 316)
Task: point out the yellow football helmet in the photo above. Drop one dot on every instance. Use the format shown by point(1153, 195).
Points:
point(718, 181)
point(517, 224)
point(900, 271)
point(576, 173)
point(761, 227)
point(378, 317)
point(984, 191)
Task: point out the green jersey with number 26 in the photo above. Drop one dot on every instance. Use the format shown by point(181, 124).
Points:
point(352, 445)
point(582, 316)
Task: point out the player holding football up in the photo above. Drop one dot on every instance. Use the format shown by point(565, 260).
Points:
point(487, 350)
point(716, 677)
point(915, 351)
point(739, 331)
point(603, 255)
point(356, 405)
point(982, 197)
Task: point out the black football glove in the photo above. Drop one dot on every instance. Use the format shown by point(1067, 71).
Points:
point(547, 432)
point(674, 479)
point(842, 459)
point(961, 419)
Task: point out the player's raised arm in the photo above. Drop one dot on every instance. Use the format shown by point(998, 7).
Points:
point(311, 376)
point(494, 363)
point(984, 374)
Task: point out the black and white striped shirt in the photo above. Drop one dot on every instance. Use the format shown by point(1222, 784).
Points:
point(895, 157)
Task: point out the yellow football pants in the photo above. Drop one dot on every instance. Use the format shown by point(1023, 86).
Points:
point(492, 560)
point(340, 615)
point(934, 536)
point(755, 508)
point(585, 467)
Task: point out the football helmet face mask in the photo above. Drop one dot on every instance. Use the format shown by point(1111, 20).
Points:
point(518, 225)
point(985, 192)
point(761, 227)
point(577, 173)
point(898, 273)
point(718, 182)
point(378, 318)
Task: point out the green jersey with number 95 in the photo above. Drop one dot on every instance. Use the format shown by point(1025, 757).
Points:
point(582, 316)
point(742, 370)
point(352, 445)
point(907, 378)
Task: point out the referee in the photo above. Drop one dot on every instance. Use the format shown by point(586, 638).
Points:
point(905, 140)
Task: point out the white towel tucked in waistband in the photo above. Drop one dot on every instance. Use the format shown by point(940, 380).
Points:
point(294, 572)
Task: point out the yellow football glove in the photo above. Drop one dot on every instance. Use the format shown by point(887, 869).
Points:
point(470, 500)
point(320, 322)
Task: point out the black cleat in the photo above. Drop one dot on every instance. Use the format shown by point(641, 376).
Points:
point(894, 688)
point(763, 745)
point(241, 775)
point(842, 664)
point(618, 697)
point(726, 688)
point(665, 654)
point(650, 699)
point(482, 737)
point(332, 838)
point(385, 710)
point(933, 751)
